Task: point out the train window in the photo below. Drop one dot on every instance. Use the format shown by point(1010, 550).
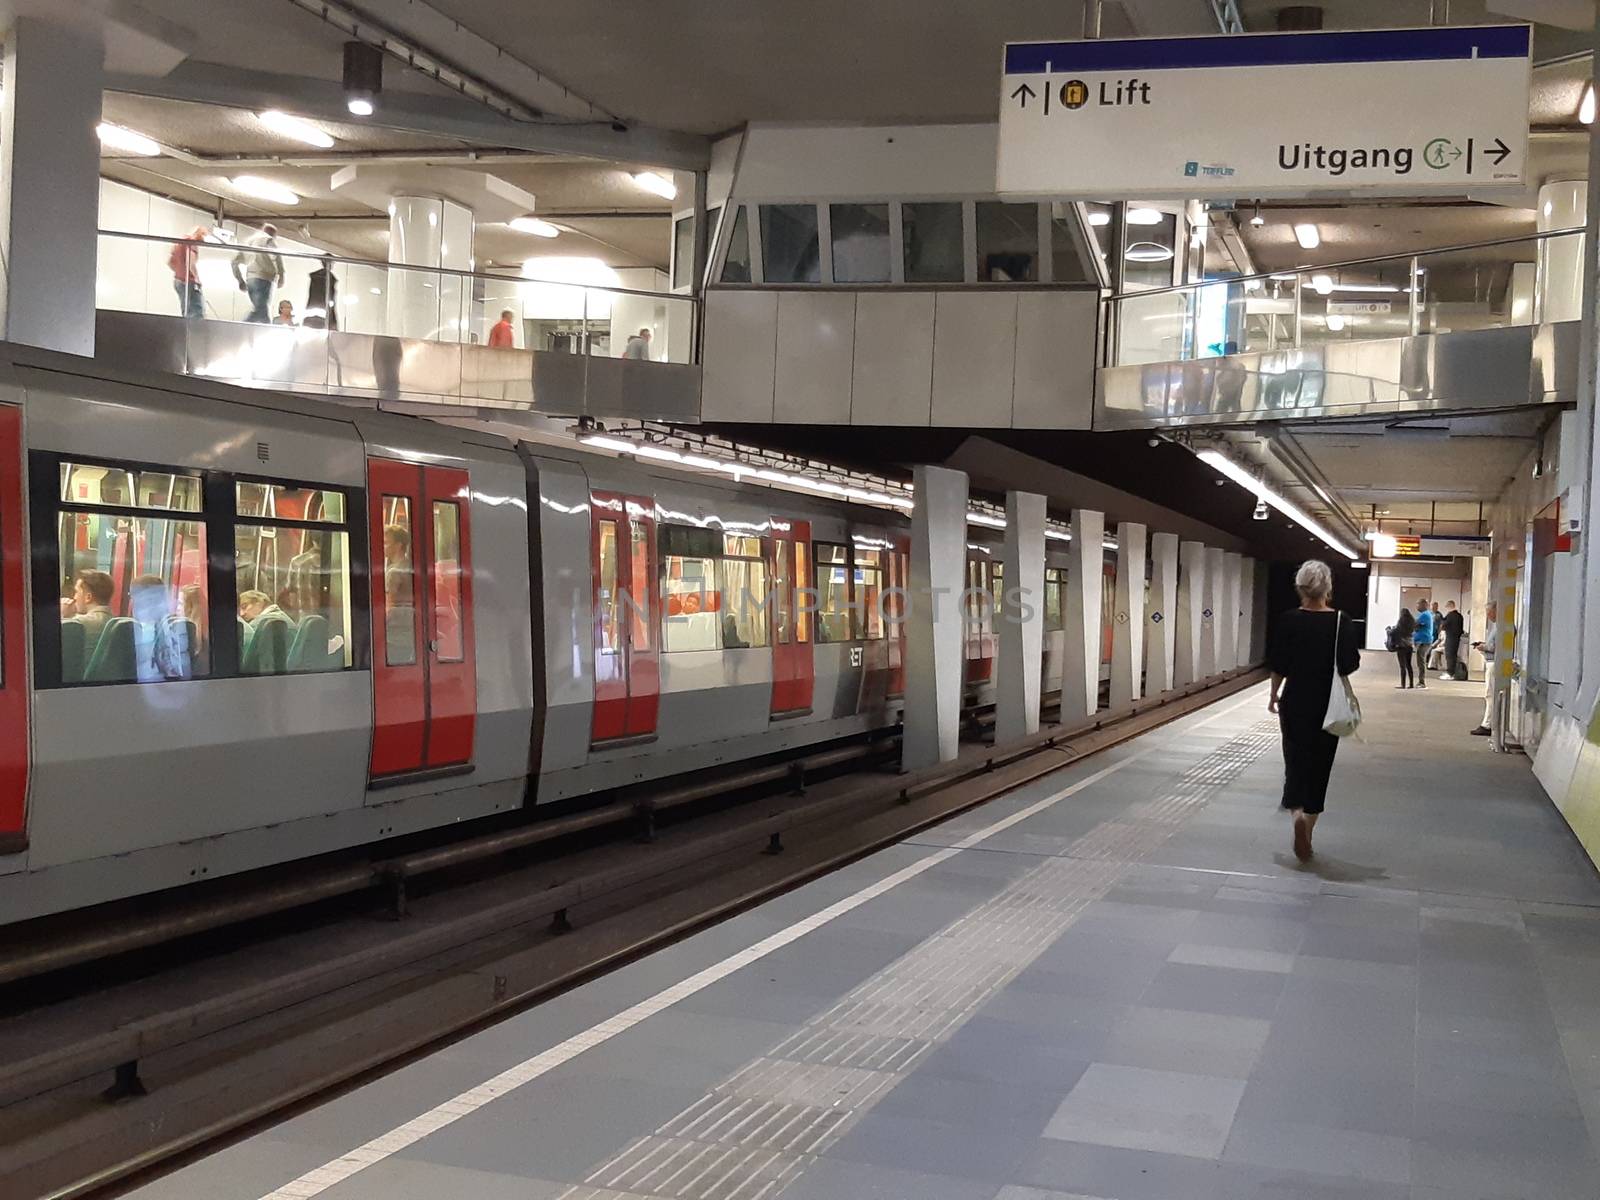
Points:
point(997, 591)
point(979, 598)
point(605, 600)
point(287, 502)
point(833, 591)
point(122, 487)
point(868, 612)
point(782, 596)
point(741, 546)
point(133, 599)
point(447, 581)
point(641, 599)
point(1055, 596)
point(804, 601)
point(744, 602)
point(294, 596)
point(689, 588)
point(399, 587)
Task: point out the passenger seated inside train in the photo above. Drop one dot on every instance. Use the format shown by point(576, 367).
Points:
point(163, 641)
point(730, 634)
point(256, 607)
point(90, 605)
point(397, 565)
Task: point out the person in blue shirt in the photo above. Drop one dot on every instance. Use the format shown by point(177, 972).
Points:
point(1422, 640)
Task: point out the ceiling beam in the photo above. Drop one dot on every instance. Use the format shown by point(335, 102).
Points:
point(413, 112)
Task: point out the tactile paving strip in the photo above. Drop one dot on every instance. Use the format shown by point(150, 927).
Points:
point(754, 1133)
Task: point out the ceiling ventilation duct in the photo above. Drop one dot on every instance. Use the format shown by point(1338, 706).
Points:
point(1295, 18)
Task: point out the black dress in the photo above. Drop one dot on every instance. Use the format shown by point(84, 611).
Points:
point(1302, 652)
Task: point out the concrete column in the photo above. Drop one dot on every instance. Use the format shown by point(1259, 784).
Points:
point(50, 184)
point(426, 232)
point(1190, 631)
point(1210, 613)
point(1228, 614)
point(1080, 674)
point(935, 635)
point(1258, 622)
point(1127, 622)
point(1021, 619)
point(1160, 621)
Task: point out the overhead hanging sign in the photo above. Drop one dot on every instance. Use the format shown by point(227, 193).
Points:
point(1398, 111)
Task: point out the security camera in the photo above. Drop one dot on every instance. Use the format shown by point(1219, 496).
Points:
point(1153, 442)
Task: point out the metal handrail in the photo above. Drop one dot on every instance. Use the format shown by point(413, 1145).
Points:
point(1321, 268)
point(389, 266)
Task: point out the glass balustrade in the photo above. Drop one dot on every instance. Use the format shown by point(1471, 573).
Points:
point(1491, 285)
point(213, 280)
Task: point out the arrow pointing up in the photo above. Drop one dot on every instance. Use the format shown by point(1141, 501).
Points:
point(1500, 152)
point(1023, 94)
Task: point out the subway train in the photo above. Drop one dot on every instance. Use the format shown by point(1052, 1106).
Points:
point(239, 628)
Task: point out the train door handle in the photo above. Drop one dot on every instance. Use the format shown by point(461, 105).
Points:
point(433, 647)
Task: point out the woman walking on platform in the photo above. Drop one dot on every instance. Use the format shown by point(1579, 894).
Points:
point(1310, 641)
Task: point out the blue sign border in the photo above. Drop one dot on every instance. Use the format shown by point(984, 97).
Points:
point(1270, 50)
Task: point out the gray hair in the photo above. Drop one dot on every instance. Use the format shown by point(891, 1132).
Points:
point(1314, 580)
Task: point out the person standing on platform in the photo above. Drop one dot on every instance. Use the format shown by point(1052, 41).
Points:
point(1402, 647)
point(1422, 639)
point(258, 267)
point(322, 297)
point(502, 336)
point(1486, 648)
point(1309, 644)
point(1454, 626)
point(185, 264)
point(638, 346)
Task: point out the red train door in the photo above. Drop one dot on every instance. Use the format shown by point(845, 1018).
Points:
point(424, 675)
point(13, 656)
point(627, 670)
point(793, 665)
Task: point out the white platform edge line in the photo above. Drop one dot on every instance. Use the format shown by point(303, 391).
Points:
point(320, 1179)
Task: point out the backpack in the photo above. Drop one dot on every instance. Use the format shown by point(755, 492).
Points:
point(1460, 675)
point(1391, 640)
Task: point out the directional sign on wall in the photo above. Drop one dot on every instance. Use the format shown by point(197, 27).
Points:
point(1281, 114)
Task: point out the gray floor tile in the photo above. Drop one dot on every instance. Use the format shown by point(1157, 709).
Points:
point(1138, 1109)
point(905, 1144)
point(1166, 1039)
point(1331, 1101)
point(404, 1179)
point(1249, 1181)
point(1320, 1150)
point(1228, 992)
point(1014, 1191)
point(832, 1179)
point(1196, 955)
point(976, 1107)
point(1079, 1168)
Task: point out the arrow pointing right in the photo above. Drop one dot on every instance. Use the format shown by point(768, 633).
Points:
point(1500, 152)
point(1023, 94)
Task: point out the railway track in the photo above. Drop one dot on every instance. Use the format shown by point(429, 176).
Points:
point(109, 1083)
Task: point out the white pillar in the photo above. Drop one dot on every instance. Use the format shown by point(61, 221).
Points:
point(50, 184)
point(1080, 674)
point(426, 232)
point(1161, 619)
point(1021, 620)
point(1210, 613)
point(1190, 630)
point(1247, 610)
point(1228, 614)
point(935, 633)
point(1127, 622)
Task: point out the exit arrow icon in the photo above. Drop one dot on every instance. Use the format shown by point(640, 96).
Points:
point(1499, 153)
point(1023, 94)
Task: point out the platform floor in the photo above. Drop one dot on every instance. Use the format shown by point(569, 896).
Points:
point(1114, 983)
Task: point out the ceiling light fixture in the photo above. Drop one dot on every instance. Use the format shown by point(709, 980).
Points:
point(656, 184)
point(363, 78)
point(1099, 216)
point(1148, 252)
point(1144, 216)
point(534, 226)
point(264, 189)
point(1586, 105)
point(1308, 235)
point(294, 127)
point(1322, 285)
point(129, 141)
point(1221, 462)
point(1335, 323)
point(1360, 564)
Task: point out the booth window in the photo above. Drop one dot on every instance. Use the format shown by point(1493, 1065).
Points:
point(930, 234)
point(860, 238)
point(789, 246)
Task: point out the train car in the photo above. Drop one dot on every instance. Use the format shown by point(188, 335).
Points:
point(238, 628)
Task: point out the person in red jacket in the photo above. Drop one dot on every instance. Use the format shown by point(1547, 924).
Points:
point(185, 264)
point(502, 335)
